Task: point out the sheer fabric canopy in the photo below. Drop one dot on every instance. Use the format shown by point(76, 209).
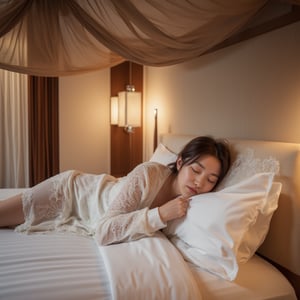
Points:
point(64, 37)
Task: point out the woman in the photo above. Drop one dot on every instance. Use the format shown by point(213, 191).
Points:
point(120, 209)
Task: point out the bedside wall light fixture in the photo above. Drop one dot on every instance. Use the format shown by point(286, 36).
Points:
point(126, 109)
point(129, 114)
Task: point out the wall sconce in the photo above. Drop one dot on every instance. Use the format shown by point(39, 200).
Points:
point(125, 110)
point(129, 108)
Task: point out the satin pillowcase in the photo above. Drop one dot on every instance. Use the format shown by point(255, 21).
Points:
point(225, 228)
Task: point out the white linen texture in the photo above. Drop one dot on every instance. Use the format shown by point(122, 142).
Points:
point(221, 228)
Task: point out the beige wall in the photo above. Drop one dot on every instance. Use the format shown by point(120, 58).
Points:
point(248, 90)
point(84, 122)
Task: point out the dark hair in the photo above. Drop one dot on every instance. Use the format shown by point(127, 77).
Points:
point(205, 145)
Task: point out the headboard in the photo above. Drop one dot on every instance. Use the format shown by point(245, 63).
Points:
point(282, 244)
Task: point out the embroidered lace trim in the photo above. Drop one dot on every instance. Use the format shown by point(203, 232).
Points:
point(246, 165)
point(43, 202)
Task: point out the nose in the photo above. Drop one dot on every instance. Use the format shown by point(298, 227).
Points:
point(199, 180)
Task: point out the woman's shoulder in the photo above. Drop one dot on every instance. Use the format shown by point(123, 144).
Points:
point(150, 168)
point(152, 165)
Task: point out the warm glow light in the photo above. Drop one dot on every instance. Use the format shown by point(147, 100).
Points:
point(114, 110)
point(129, 109)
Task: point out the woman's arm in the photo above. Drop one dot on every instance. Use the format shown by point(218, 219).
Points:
point(127, 218)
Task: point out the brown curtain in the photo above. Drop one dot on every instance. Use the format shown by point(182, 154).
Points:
point(56, 38)
point(43, 128)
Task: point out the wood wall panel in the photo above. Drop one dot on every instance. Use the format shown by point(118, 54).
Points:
point(126, 148)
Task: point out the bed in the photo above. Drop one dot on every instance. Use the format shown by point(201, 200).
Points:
point(68, 266)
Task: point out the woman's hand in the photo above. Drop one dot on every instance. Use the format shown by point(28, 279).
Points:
point(174, 209)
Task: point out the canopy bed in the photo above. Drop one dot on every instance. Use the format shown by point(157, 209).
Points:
point(59, 38)
point(253, 219)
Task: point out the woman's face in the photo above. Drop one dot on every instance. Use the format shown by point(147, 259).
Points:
point(199, 177)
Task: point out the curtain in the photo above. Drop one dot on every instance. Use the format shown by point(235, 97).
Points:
point(43, 128)
point(13, 130)
point(57, 38)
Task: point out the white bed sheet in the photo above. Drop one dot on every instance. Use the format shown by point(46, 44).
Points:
point(62, 266)
point(51, 266)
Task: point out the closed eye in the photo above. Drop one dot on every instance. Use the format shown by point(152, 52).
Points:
point(196, 170)
point(213, 181)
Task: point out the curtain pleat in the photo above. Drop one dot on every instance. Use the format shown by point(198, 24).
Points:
point(12, 14)
point(43, 128)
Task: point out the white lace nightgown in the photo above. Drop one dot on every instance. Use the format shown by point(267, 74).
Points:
point(112, 209)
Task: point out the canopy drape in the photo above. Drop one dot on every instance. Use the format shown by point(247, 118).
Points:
point(64, 37)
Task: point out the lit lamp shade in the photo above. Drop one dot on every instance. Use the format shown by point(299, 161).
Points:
point(129, 110)
point(114, 110)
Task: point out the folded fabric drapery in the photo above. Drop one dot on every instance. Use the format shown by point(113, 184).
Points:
point(56, 38)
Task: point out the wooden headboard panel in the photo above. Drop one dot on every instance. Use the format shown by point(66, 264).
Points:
point(282, 244)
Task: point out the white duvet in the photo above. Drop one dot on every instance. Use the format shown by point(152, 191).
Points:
point(149, 269)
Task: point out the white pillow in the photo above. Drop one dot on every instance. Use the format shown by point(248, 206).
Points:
point(257, 231)
point(163, 155)
point(218, 229)
point(244, 166)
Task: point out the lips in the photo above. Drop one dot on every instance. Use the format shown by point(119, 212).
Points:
point(192, 190)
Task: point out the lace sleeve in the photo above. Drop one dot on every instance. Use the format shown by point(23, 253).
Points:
point(128, 216)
